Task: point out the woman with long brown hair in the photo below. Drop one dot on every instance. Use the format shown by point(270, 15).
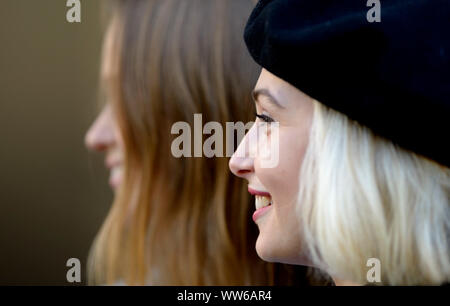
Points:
point(175, 221)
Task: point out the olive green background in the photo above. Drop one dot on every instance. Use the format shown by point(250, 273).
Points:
point(53, 193)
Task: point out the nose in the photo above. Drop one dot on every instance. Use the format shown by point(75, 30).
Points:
point(100, 135)
point(241, 162)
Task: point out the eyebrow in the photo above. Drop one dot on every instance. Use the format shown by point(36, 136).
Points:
point(264, 92)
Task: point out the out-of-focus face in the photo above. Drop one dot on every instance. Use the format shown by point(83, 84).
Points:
point(276, 101)
point(104, 136)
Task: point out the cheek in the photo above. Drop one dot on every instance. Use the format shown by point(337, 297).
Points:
point(282, 181)
point(279, 238)
point(120, 144)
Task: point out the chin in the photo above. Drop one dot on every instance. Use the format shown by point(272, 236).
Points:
point(265, 251)
point(272, 253)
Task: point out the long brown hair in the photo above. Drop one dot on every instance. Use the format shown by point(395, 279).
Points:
point(178, 221)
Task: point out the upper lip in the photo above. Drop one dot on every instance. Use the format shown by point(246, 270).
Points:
point(258, 192)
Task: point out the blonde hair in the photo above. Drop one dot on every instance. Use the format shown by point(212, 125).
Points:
point(178, 221)
point(363, 197)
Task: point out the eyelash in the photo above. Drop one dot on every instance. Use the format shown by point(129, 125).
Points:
point(264, 118)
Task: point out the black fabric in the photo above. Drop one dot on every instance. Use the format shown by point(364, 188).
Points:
point(391, 76)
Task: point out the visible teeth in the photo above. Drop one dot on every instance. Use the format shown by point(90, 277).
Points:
point(116, 171)
point(261, 201)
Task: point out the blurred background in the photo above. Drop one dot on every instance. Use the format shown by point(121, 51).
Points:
point(53, 193)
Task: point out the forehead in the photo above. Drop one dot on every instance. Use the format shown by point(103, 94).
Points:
point(281, 90)
point(108, 69)
point(269, 80)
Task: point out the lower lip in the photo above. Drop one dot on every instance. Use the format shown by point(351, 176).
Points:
point(260, 212)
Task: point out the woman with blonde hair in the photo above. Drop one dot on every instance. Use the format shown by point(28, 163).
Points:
point(174, 221)
point(359, 112)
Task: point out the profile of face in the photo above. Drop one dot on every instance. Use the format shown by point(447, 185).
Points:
point(276, 188)
point(104, 136)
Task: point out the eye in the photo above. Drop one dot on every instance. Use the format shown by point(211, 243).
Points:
point(264, 118)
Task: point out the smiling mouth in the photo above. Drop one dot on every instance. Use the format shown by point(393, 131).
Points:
point(115, 176)
point(262, 201)
point(263, 204)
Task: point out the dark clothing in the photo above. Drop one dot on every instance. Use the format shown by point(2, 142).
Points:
point(392, 76)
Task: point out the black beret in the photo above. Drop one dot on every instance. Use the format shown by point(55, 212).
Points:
point(392, 76)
